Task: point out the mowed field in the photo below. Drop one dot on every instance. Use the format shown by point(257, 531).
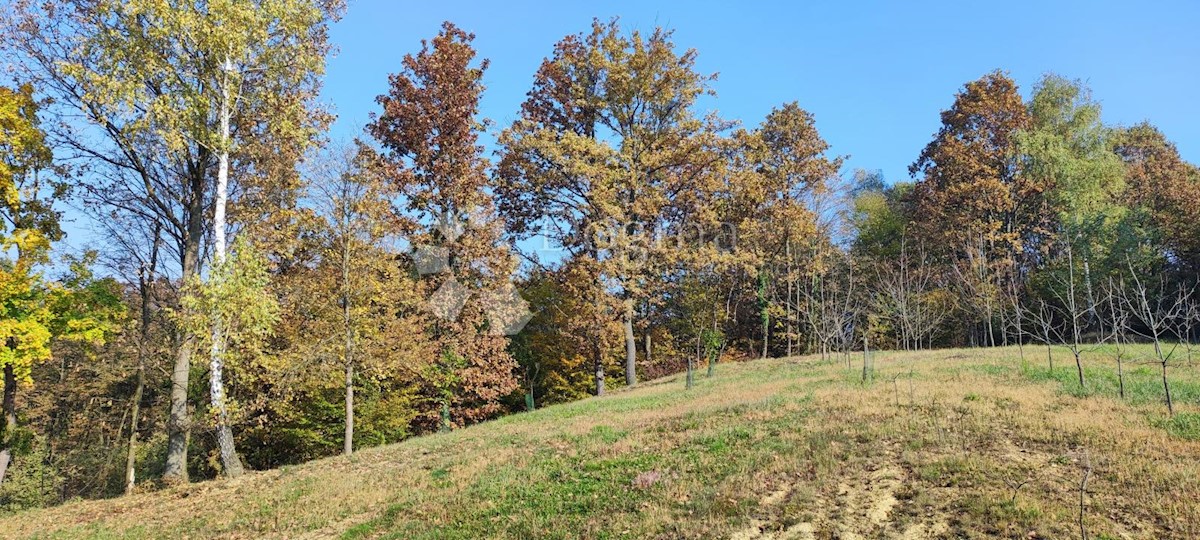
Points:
point(969, 443)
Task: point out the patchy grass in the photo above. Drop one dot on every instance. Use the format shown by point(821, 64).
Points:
point(942, 444)
point(1185, 425)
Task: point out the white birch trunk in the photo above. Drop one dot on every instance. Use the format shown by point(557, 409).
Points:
point(229, 457)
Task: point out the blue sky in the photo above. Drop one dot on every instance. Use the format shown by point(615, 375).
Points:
point(874, 74)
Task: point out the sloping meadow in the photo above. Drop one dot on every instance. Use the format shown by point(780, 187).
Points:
point(971, 443)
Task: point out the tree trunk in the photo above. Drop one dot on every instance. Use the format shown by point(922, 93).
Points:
point(348, 352)
point(598, 358)
point(1167, 389)
point(866, 359)
point(1162, 359)
point(179, 424)
point(711, 351)
point(145, 278)
point(597, 337)
point(991, 337)
point(788, 303)
point(764, 310)
point(1121, 376)
point(691, 364)
point(10, 419)
point(530, 404)
point(131, 459)
point(1091, 297)
point(348, 444)
point(1079, 367)
point(229, 458)
point(630, 347)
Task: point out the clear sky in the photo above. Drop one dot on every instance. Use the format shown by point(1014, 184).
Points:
point(874, 74)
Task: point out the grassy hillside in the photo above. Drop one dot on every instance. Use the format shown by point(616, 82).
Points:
point(944, 444)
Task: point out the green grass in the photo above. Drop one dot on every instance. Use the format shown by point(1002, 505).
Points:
point(1142, 374)
point(1185, 425)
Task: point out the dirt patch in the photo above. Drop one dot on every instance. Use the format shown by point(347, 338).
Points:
point(923, 531)
point(865, 508)
point(862, 508)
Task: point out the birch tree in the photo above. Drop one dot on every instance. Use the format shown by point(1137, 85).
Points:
point(1068, 149)
point(155, 96)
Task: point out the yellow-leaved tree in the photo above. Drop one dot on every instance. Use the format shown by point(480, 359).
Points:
point(33, 311)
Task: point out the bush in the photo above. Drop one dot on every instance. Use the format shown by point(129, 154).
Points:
point(30, 481)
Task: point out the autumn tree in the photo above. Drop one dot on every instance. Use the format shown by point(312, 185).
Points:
point(785, 176)
point(429, 134)
point(606, 138)
point(971, 184)
point(51, 40)
point(369, 312)
point(1164, 189)
point(556, 349)
point(708, 272)
point(971, 198)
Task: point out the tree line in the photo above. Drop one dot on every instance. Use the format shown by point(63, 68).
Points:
point(265, 294)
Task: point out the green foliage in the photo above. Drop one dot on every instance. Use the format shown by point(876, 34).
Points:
point(180, 45)
point(309, 425)
point(31, 482)
point(238, 290)
point(1070, 150)
point(88, 309)
point(549, 353)
point(880, 219)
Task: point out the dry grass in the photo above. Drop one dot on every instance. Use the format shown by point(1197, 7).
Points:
point(944, 444)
